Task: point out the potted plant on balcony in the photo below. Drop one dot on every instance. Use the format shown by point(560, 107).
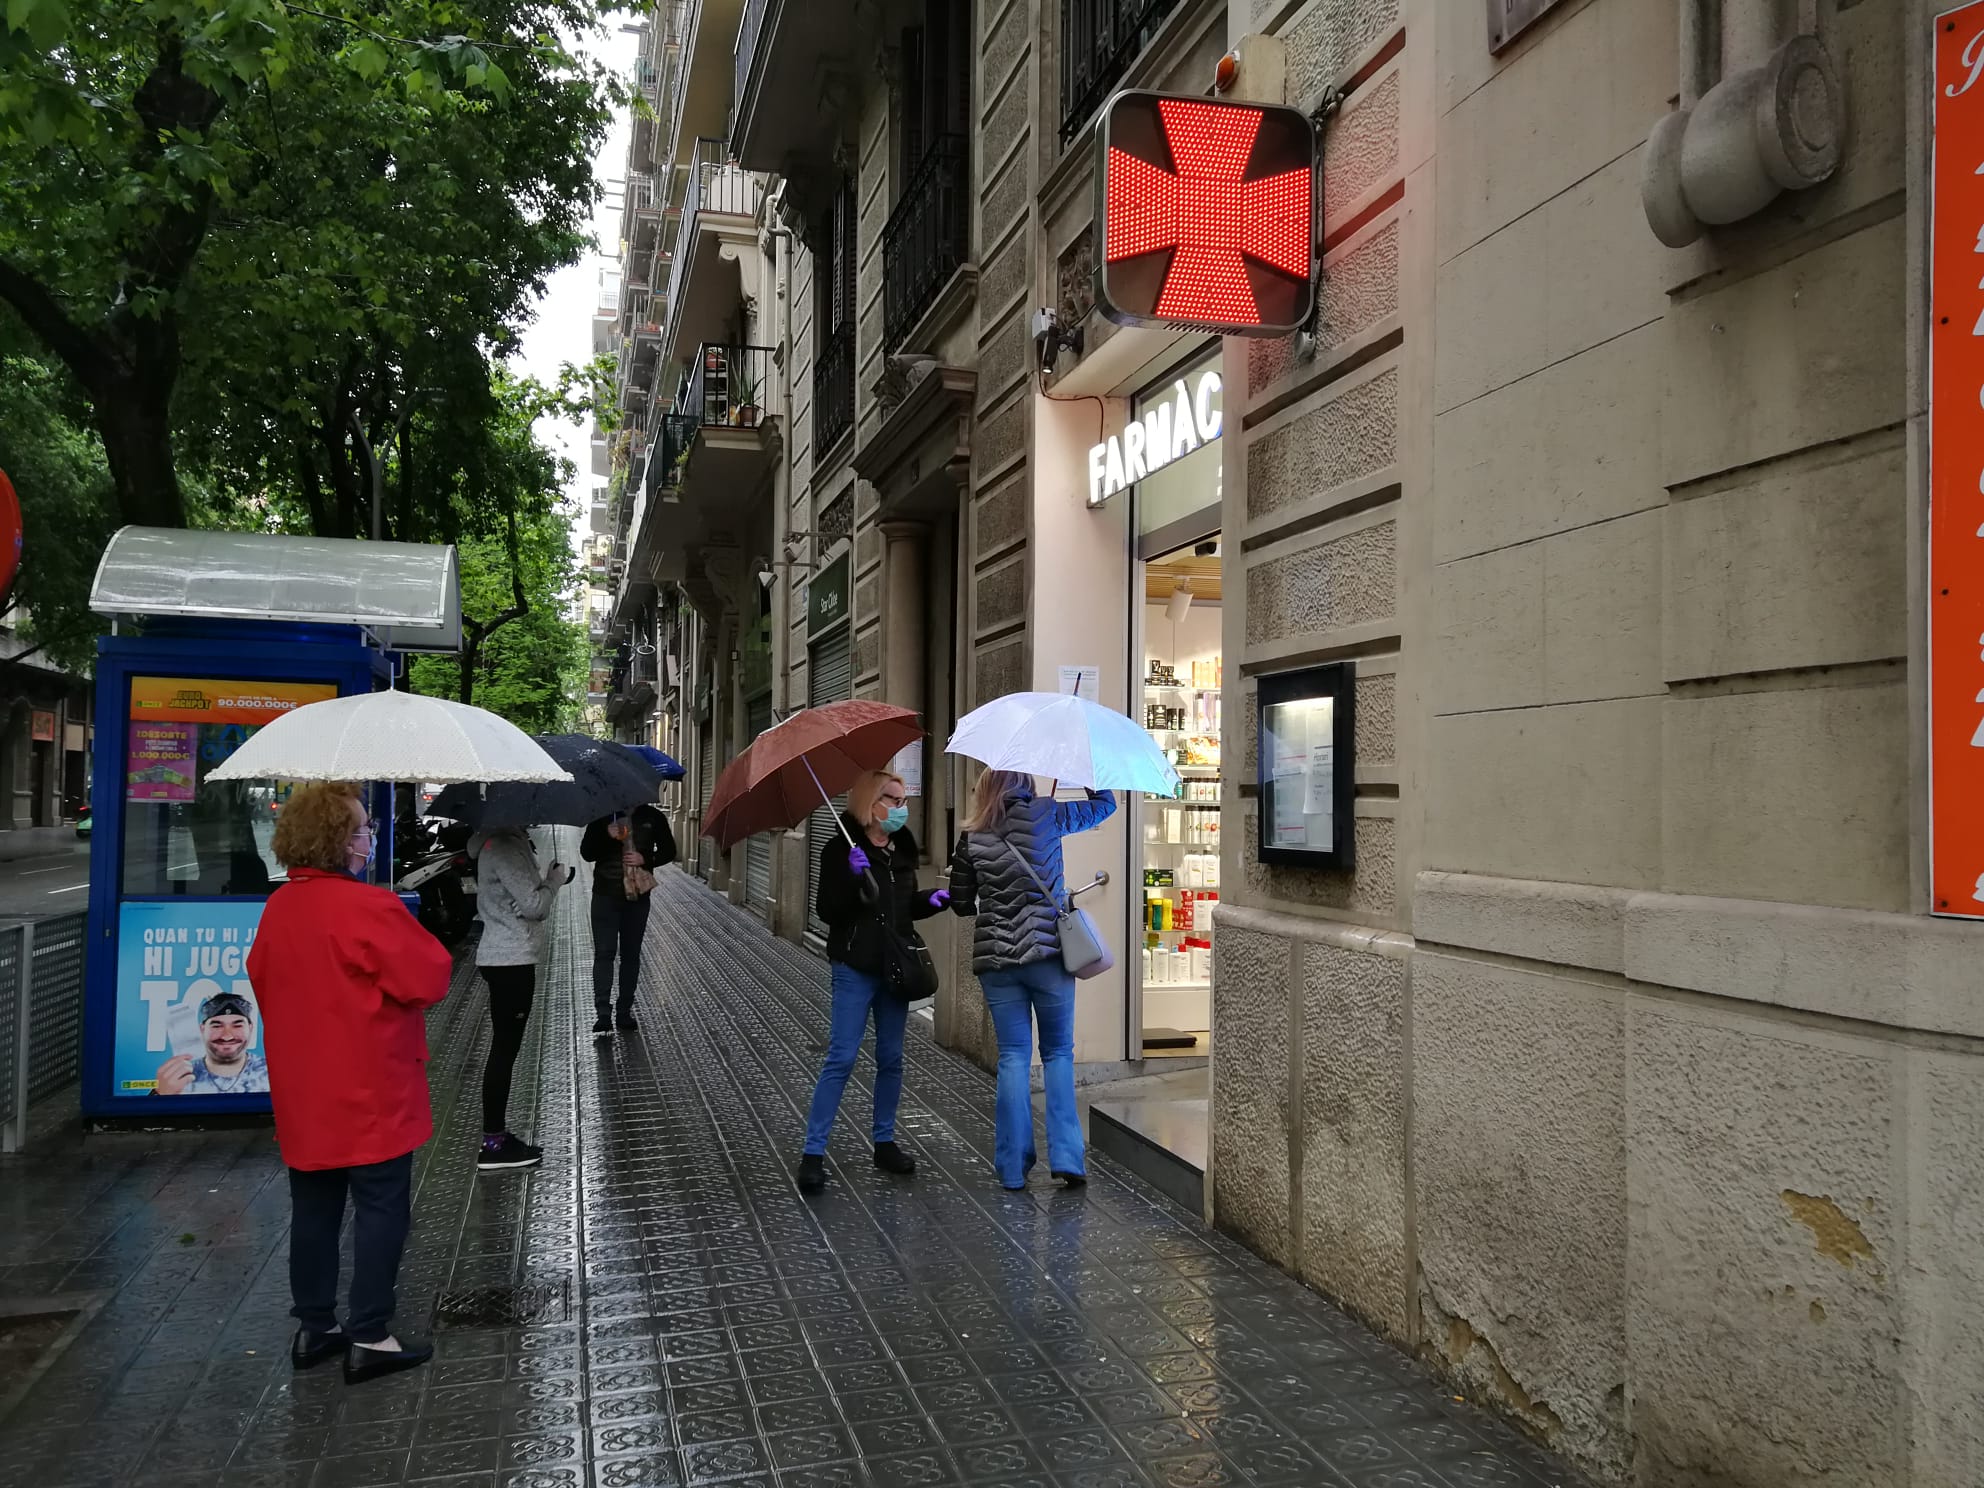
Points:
point(745, 412)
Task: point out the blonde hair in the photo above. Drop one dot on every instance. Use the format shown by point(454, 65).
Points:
point(862, 795)
point(314, 830)
point(988, 801)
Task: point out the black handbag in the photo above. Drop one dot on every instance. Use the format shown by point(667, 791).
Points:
point(908, 968)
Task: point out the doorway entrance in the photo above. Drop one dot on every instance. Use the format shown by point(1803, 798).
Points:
point(1176, 842)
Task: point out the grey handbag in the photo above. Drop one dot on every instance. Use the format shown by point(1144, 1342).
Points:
point(1083, 950)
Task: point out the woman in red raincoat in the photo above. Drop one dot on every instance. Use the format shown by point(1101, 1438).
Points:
point(343, 975)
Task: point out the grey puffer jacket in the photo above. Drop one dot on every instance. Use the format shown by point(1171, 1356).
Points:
point(1015, 925)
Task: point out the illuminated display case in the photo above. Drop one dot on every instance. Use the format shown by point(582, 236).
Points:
point(1307, 768)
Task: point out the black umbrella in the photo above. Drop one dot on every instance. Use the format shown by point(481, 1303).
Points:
point(606, 777)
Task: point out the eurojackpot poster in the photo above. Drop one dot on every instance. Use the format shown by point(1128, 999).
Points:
point(187, 1020)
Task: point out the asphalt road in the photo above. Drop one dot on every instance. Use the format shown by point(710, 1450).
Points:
point(54, 881)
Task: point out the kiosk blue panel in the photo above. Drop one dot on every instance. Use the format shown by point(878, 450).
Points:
point(180, 868)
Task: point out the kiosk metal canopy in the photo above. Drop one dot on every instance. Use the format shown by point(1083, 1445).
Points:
point(407, 594)
point(1208, 212)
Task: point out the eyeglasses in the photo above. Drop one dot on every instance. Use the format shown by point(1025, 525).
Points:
point(895, 800)
point(369, 830)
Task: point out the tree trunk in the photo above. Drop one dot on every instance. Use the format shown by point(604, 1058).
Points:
point(471, 659)
point(137, 443)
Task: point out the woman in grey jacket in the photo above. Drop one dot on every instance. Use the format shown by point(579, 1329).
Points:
point(1016, 954)
point(514, 900)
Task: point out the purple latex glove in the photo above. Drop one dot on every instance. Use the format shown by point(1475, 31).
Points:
point(940, 898)
point(857, 860)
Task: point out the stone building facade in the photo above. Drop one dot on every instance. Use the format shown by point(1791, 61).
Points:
point(1626, 1076)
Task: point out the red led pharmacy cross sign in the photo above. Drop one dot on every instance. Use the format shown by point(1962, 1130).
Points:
point(1208, 214)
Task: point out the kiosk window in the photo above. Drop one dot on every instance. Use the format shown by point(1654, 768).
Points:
point(183, 833)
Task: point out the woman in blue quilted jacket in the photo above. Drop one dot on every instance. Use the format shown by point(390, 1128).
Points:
point(1012, 838)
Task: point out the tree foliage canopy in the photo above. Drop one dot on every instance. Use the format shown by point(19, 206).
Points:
point(256, 257)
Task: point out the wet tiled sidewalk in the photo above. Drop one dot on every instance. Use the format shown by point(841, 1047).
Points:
point(721, 1328)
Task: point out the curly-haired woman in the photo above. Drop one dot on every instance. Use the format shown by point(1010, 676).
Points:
point(343, 974)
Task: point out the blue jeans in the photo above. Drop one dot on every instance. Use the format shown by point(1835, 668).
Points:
point(1040, 992)
point(856, 994)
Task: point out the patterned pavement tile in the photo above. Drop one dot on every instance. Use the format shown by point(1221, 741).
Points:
point(719, 1330)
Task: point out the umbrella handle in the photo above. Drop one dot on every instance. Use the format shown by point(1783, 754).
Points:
point(872, 890)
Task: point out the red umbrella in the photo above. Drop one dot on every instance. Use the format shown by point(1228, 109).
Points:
point(801, 763)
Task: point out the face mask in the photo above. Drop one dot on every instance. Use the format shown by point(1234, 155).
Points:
point(897, 819)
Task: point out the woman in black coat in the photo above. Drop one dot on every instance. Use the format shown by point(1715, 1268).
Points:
point(866, 890)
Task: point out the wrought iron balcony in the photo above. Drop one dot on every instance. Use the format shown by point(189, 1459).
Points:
point(717, 185)
point(1099, 41)
point(833, 389)
point(747, 46)
point(726, 387)
point(671, 443)
point(927, 236)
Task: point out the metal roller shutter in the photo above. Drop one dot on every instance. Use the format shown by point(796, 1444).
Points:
point(758, 849)
point(829, 678)
point(705, 788)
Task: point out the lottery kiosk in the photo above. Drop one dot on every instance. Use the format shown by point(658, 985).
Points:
point(215, 635)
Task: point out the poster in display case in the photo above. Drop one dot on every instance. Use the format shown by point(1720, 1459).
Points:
point(1307, 770)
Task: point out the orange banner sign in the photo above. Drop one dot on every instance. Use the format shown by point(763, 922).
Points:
point(1956, 470)
point(204, 700)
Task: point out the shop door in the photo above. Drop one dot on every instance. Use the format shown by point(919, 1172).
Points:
point(40, 784)
point(705, 788)
point(829, 678)
point(758, 849)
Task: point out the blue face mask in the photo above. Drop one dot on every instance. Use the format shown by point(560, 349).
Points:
point(897, 819)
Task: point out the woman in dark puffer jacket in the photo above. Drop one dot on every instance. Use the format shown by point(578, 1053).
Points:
point(1016, 954)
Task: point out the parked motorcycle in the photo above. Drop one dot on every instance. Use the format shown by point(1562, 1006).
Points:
point(434, 864)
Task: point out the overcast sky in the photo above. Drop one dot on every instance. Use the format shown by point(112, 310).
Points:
point(562, 331)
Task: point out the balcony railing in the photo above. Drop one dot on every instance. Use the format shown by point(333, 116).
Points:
point(833, 389)
point(726, 386)
point(927, 236)
point(747, 51)
point(1099, 41)
point(671, 442)
point(716, 184)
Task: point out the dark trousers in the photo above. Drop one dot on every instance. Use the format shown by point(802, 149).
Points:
point(512, 989)
point(382, 1212)
point(619, 927)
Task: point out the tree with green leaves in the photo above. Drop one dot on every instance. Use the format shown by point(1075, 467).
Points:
point(280, 236)
point(58, 470)
point(523, 653)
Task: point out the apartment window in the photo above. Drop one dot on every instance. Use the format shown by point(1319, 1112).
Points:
point(1099, 41)
point(834, 251)
point(927, 235)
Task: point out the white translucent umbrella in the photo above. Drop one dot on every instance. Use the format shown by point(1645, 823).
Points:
point(1066, 738)
point(391, 736)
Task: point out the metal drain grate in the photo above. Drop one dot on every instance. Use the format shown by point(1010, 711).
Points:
point(527, 1303)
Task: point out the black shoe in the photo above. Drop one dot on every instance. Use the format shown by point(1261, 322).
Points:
point(625, 1023)
point(892, 1159)
point(602, 1027)
point(812, 1174)
point(307, 1350)
point(362, 1364)
point(507, 1154)
point(1073, 1180)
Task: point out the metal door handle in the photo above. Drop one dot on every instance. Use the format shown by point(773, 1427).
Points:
point(1099, 880)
